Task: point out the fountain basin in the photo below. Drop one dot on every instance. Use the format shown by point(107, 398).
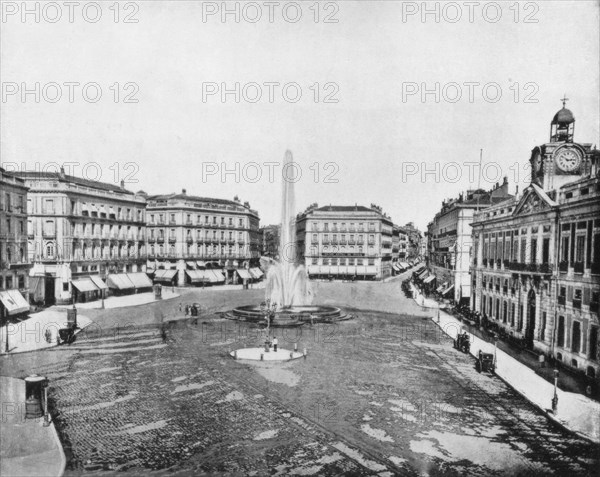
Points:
point(254, 354)
point(296, 315)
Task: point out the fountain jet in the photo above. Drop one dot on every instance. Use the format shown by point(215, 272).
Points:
point(287, 282)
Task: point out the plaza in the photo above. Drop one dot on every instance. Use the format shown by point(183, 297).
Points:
point(383, 394)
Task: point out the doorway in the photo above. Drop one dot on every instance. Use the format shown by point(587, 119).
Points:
point(531, 315)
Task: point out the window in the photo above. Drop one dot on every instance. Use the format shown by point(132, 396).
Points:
point(371, 261)
point(546, 251)
point(523, 250)
point(512, 315)
point(543, 326)
point(560, 332)
point(564, 250)
point(576, 340)
point(533, 257)
point(579, 248)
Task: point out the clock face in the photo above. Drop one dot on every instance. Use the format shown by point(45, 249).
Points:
point(568, 160)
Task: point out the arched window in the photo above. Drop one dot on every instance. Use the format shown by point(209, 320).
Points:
point(50, 250)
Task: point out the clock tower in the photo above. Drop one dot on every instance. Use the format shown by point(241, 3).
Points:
point(561, 160)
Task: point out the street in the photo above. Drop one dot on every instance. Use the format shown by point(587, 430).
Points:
point(382, 394)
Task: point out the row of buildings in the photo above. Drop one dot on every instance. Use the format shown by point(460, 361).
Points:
point(531, 261)
point(66, 239)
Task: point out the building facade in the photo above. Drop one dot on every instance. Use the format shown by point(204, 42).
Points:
point(449, 240)
point(77, 229)
point(536, 261)
point(269, 239)
point(345, 242)
point(187, 232)
point(14, 258)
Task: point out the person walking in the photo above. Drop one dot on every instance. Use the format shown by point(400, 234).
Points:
point(180, 307)
point(275, 344)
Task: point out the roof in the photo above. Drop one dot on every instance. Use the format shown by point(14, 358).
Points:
point(345, 208)
point(37, 175)
point(564, 116)
point(193, 198)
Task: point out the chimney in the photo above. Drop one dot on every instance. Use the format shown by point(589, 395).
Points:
point(122, 184)
point(183, 191)
point(62, 172)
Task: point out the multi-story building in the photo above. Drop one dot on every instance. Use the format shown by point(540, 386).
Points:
point(80, 231)
point(536, 260)
point(345, 241)
point(269, 237)
point(449, 240)
point(188, 234)
point(14, 263)
point(415, 242)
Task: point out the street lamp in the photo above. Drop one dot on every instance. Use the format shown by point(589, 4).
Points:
point(495, 335)
point(555, 398)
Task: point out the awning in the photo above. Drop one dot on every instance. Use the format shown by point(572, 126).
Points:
point(99, 282)
point(14, 302)
point(465, 291)
point(422, 273)
point(371, 271)
point(244, 274)
point(192, 265)
point(120, 281)
point(441, 287)
point(164, 275)
point(429, 279)
point(448, 290)
point(201, 263)
point(139, 280)
point(404, 265)
point(256, 272)
point(84, 285)
point(219, 275)
point(396, 267)
point(197, 276)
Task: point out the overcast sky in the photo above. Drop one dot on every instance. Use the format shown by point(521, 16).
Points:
point(374, 141)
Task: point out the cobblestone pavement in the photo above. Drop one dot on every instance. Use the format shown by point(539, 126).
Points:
point(384, 394)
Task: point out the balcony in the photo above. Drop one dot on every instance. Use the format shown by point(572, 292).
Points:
point(595, 268)
point(189, 239)
point(498, 263)
point(563, 267)
point(506, 264)
point(484, 262)
point(578, 267)
point(46, 234)
point(562, 300)
point(172, 239)
point(577, 304)
point(594, 306)
point(160, 239)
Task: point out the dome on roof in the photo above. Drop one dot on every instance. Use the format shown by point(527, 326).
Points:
point(564, 116)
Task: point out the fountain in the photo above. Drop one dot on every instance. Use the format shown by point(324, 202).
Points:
point(288, 294)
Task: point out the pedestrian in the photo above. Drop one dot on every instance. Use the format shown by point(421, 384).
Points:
point(275, 344)
point(187, 310)
point(180, 307)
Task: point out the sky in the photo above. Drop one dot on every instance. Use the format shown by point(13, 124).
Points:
point(349, 87)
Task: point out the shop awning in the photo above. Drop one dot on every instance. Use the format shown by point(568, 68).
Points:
point(201, 263)
point(404, 265)
point(99, 282)
point(447, 290)
point(197, 276)
point(244, 274)
point(429, 279)
point(256, 272)
point(219, 275)
point(164, 275)
point(465, 291)
point(14, 302)
point(120, 281)
point(396, 267)
point(422, 273)
point(140, 280)
point(371, 271)
point(192, 265)
point(84, 285)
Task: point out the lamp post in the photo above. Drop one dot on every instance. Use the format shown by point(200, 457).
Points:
point(495, 335)
point(555, 398)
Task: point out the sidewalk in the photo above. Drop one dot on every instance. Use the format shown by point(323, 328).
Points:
point(27, 447)
point(575, 411)
point(121, 301)
point(30, 334)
